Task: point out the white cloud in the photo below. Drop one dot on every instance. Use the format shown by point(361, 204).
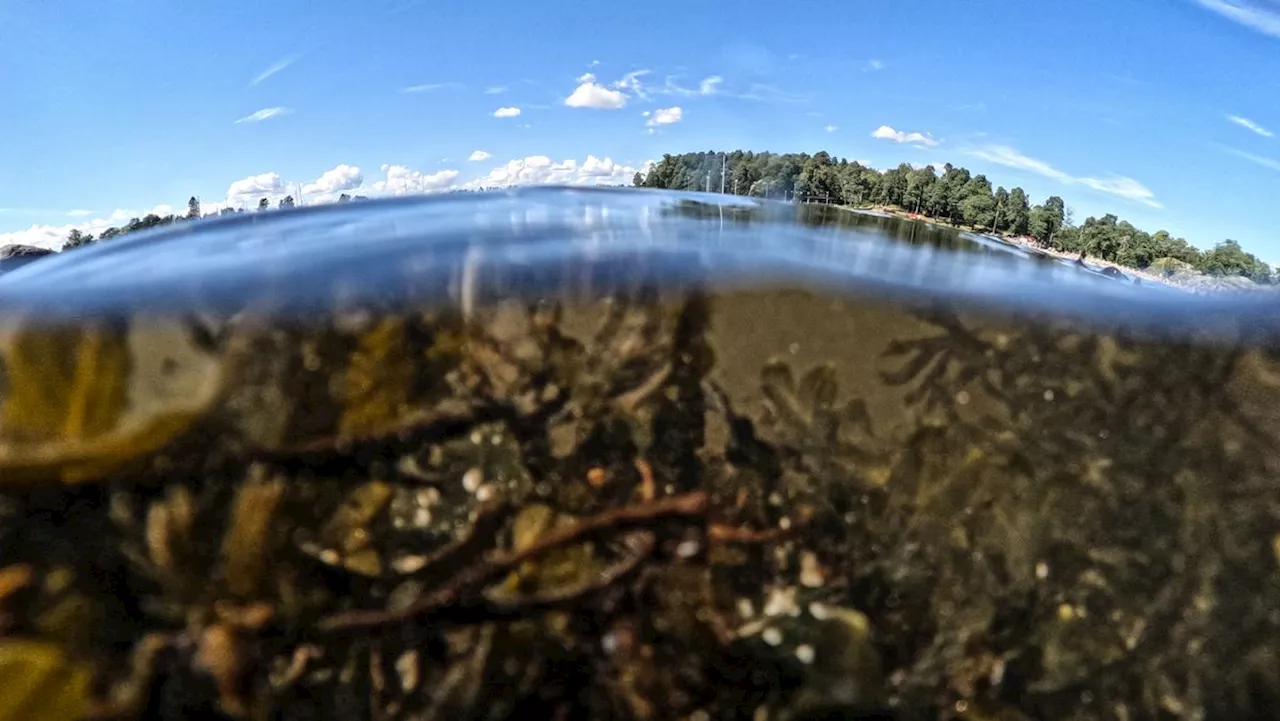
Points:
point(401, 180)
point(398, 180)
point(277, 67)
point(1265, 162)
point(1249, 124)
point(428, 87)
point(630, 83)
point(1261, 16)
point(506, 112)
point(589, 94)
point(1117, 185)
point(593, 63)
point(541, 170)
point(1010, 158)
point(479, 156)
point(831, 128)
point(264, 114)
point(708, 84)
point(884, 132)
point(254, 187)
point(333, 182)
point(665, 116)
point(874, 65)
point(495, 90)
point(53, 236)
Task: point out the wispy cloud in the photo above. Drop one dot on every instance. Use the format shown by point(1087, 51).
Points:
point(428, 87)
point(884, 132)
point(495, 90)
point(1117, 185)
point(1249, 124)
point(264, 114)
point(1264, 161)
point(771, 94)
point(275, 68)
point(831, 128)
point(874, 65)
point(1261, 16)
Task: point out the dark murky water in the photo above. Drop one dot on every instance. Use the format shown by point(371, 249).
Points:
point(595, 454)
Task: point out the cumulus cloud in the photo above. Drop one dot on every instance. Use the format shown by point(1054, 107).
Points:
point(506, 112)
point(1258, 15)
point(264, 114)
point(275, 68)
point(665, 116)
point(254, 187)
point(590, 94)
point(884, 132)
point(333, 182)
point(541, 170)
point(53, 236)
point(1250, 125)
point(396, 180)
point(401, 180)
point(479, 156)
point(1117, 185)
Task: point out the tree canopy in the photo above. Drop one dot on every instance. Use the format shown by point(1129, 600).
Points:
point(950, 194)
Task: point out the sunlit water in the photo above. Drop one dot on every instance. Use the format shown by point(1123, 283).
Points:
point(1051, 492)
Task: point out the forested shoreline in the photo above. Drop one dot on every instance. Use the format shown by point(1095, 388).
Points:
point(956, 197)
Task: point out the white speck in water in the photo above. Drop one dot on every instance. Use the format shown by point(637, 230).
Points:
point(496, 439)
point(330, 557)
point(1042, 570)
point(810, 571)
point(407, 667)
point(422, 518)
point(485, 492)
point(772, 636)
point(782, 602)
point(1048, 395)
point(687, 549)
point(472, 479)
point(609, 643)
point(409, 564)
point(746, 609)
point(427, 497)
point(794, 348)
point(699, 715)
point(477, 437)
point(784, 523)
point(775, 499)
point(962, 397)
point(805, 653)
point(819, 611)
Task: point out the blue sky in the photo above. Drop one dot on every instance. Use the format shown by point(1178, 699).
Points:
point(109, 109)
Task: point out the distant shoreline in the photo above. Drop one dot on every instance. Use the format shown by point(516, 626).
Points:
point(1145, 276)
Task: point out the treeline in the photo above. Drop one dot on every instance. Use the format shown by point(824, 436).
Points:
point(954, 196)
point(77, 238)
